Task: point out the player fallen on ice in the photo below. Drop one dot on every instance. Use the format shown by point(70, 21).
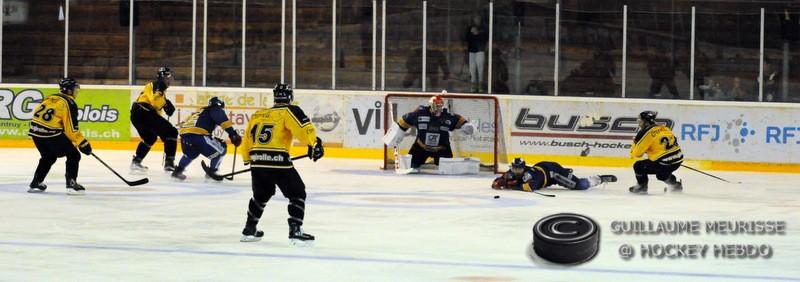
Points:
point(664, 156)
point(196, 136)
point(146, 118)
point(434, 124)
point(55, 132)
point(545, 174)
point(266, 146)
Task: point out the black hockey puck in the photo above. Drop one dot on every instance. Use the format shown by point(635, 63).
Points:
point(566, 238)
point(497, 196)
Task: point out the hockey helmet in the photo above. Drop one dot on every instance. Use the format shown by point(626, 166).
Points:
point(68, 84)
point(518, 165)
point(437, 104)
point(163, 73)
point(648, 116)
point(216, 102)
point(283, 93)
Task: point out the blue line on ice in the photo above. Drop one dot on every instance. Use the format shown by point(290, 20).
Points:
point(391, 261)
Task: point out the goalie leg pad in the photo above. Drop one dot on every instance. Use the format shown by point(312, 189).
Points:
point(451, 166)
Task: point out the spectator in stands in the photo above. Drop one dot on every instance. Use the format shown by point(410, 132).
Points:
point(499, 71)
point(476, 39)
point(771, 76)
point(661, 68)
point(736, 92)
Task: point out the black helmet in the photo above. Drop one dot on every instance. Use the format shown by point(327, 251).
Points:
point(164, 72)
point(648, 116)
point(283, 93)
point(518, 163)
point(216, 102)
point(67, 84)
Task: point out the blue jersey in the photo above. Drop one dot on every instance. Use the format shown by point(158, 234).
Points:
point(433, 133)
point(204, 122)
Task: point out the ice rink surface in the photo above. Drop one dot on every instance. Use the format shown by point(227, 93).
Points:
point(370, 225)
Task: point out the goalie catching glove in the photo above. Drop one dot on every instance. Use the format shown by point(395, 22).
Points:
point(467, 129)
point(316, 152)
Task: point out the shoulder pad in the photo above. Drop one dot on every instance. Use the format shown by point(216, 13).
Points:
point(298, 113)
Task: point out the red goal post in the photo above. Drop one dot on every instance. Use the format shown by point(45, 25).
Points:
point(483, 111)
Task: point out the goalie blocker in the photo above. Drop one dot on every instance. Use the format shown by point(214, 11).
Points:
point(434, 124)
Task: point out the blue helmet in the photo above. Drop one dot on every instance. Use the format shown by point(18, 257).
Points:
point(216, 102)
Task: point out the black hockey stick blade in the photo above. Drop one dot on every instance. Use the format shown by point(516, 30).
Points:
point(546, 195)
point(130, 183)
point(711, 175)
point(210, 172)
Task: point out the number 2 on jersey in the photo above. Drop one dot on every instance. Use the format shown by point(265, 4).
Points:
point(667, 145)
point(48, 114)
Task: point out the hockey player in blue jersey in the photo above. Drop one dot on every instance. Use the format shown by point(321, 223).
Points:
point(196, 136)
point(544, 174)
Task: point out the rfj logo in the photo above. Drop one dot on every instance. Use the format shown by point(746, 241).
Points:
point(733, 133)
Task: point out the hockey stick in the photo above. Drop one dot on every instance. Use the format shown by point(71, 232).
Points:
point(210, 172)
point(711, 175)
point(130, 183)
point(546, 195)
point(233, 168)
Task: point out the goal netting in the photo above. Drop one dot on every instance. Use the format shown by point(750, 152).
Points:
point(483, 111)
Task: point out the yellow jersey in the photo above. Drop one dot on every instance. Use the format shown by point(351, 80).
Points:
point(56, 115)
point(153, 100)
point(660, 145)
point(269, 135)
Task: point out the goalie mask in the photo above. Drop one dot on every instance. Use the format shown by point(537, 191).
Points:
point(437, 105)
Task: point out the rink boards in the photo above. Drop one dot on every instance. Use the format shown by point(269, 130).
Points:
point(713, 135)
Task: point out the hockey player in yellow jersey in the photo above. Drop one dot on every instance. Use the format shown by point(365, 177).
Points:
point(146, 118)
point(55, 132)
point(664, 156)
point(266, 145)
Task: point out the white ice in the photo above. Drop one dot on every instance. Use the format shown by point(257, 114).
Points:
point(370, 225)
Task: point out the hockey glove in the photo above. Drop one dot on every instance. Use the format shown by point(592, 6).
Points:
point(235, 139)
point(169, 108)
point(85, 148)
point(315, 153)
point(498, 183)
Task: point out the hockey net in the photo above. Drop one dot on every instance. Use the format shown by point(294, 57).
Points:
point(483, 111)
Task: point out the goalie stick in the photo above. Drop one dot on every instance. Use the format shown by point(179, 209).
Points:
point(130, 183)
point(210, 172)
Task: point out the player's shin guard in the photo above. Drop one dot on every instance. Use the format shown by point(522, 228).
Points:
point(254, 211)
point(297, 211)
point(141, 151)
point(170, 146)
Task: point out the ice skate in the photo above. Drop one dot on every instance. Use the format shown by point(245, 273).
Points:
point(178, 175)
point(75, 189)
point(676, 186)
point(251, 236)
point(137, 167)
point(608, 178)
point(299, 238)
point(638, 189)
point(37, 187)
point(169, 164)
